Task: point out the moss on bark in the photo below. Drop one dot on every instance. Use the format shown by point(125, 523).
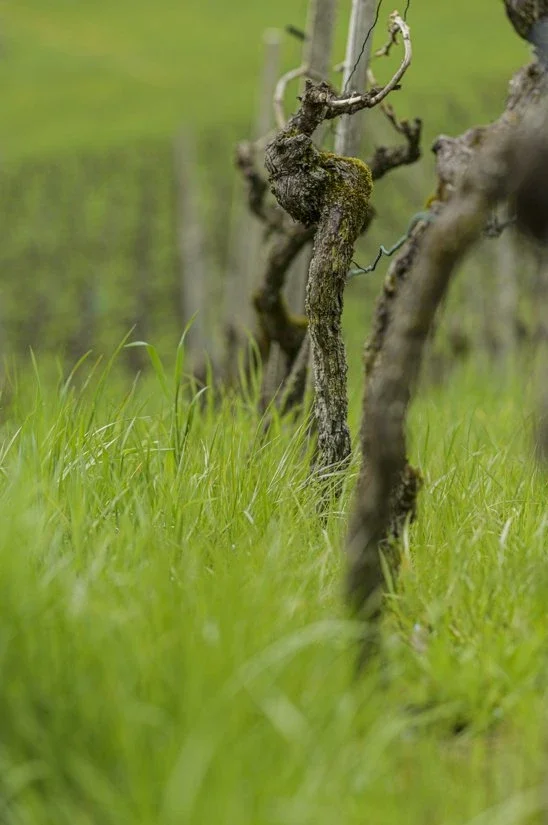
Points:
point(332, 192)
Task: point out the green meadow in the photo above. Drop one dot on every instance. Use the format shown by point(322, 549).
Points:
point(173, 643)
point(174, 647)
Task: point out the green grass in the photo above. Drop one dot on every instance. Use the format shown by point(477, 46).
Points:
point(78, 75)
point(173, 646)
point(173, 643)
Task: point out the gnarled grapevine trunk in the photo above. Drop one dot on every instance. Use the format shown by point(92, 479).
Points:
point(475, 172)
point(333, 193)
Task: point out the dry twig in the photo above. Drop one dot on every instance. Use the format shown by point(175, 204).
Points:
point(374, 97)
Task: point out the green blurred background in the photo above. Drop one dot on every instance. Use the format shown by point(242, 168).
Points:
point(92, 97)
point(81, 75)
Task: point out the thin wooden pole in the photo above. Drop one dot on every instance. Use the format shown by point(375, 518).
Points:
point(358, 52)
point(272, 41)
point(251, 229)
point(320, 30)
point(142, 265)
point(245, 235)
point(190, 237)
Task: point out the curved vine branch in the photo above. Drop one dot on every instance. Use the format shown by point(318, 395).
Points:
point(475, 172)
point(374, 97)
point(332, 193)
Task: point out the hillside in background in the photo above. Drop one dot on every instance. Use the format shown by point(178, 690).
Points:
point(93, 96)
point(81, 75)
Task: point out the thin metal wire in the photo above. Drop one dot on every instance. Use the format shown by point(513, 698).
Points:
point(369, 33)
point(365, 42)
point(494, 229)
point(420, 216)
point(384, 252)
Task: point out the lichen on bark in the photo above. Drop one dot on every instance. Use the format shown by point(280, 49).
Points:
point(284, 239)
point(476, 171)
point(333, 193)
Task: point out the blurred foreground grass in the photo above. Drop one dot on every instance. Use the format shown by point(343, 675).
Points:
point(172, 641)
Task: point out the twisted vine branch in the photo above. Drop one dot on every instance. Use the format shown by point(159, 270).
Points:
point(483, 167)
point(332, 193)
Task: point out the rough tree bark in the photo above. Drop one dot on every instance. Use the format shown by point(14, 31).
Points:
point(453, 156)
point(475, 172)
point(285, 238)
point(319, 188)
point(334, 193)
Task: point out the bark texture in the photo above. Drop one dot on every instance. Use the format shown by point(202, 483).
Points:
point(332, 192)
point(284, 239)
point(475, 172)
point(331, 258)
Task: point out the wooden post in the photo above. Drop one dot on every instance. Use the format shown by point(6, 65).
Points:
point(245, 236)
point(320, 29)
point(252, 230)
point(272, 41)
point(507, 295)
point(190, 238)
point(540, 295)
point(350, 127)
point(142, 265)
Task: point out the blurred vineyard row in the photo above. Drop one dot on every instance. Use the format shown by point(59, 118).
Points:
point(88, 250)
point(90, 238)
